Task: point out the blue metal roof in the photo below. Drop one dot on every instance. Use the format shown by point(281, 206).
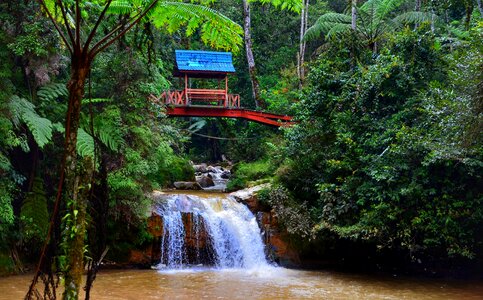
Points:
point(204, 61)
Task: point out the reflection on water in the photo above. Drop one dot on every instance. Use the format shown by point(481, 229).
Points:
point(265, 283)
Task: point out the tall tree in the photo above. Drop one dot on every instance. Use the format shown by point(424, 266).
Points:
point(78, 23)
point(303, 42)
point(293, 5)
point(259, 102)
point(354, 15)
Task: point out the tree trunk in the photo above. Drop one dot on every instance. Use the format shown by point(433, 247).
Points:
point(251, 60)
point(75, 231)
point(301, 54)
point(417, 7)
point(354, 32)
point(480, 8)
point(469, 11)
point(354, 15)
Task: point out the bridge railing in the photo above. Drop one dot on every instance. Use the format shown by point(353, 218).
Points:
point(206, 97)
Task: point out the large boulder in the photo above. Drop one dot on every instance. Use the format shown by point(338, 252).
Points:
point(187, 185)
point(205, 181)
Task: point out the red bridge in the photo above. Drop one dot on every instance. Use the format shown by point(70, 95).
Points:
point(197, 102)
point(187, 104)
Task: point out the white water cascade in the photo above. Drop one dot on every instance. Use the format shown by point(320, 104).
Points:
point(215, 231)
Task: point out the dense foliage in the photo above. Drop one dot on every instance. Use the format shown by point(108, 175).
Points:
point(387, 150)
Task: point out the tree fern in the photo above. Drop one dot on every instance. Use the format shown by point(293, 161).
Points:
point(24, 111)
point(374, 22)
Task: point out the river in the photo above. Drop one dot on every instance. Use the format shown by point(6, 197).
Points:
point(275, 283)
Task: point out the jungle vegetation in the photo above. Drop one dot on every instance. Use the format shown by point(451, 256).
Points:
point(386, 154)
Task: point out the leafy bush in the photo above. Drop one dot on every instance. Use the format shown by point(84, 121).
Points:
point(244, 173)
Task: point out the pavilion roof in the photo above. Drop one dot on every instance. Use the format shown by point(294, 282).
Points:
point(203, 62)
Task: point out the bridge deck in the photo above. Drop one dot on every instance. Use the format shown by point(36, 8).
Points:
point(219, 104)
point(223, 112)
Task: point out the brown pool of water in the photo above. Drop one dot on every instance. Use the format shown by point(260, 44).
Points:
point(269, 283)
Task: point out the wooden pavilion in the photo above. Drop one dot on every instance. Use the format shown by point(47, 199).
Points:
point(208, 65)
point(214, 102)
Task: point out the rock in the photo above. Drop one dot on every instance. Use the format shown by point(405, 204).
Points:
point(280, 249)
point(212, 169)
point(155, 225)
point(187, 185)
point(201, 168)
point(249, 197)
point(139, 257)
point(205, 181)
point(226, 174)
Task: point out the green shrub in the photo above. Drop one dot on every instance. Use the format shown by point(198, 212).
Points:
point(244, 173)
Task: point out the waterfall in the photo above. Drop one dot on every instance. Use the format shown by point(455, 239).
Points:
point(216, 231)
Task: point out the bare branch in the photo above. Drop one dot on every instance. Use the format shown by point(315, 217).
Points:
point(77, 25)
point(93, 31)
point(111, 33)
point(42, 3)
point(136, 20)
point(66, 21)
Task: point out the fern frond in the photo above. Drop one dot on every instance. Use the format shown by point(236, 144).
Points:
point(98, 100)
point(121, 7)
point(85, 143)
point(324, 24)
point(413, 17)
point(216, 29)
point(108, 129)
point(52, 91)
point(339, 30)
point(292, 5)
point(23, 110)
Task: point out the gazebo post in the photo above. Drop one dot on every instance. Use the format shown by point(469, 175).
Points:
point(186, 87)
point(226, 90)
